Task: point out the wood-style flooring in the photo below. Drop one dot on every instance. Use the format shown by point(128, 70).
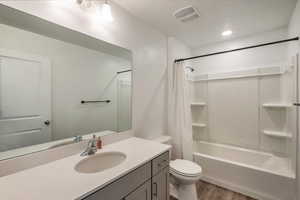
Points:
point(207, 191)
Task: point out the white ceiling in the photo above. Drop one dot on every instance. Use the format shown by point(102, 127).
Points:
point(244, 17)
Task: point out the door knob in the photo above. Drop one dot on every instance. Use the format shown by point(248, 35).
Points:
point(47, 122)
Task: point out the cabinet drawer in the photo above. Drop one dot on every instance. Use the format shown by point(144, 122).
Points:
point(160, 163)
point(123, 186)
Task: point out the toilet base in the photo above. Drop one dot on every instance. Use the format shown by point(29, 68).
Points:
point(173, 191)
point(187, 192)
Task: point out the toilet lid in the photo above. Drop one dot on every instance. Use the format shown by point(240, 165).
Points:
point(185, 167)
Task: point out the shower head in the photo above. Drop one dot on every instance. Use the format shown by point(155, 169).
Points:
point(192, 69)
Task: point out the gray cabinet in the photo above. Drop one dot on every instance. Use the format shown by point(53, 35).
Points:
point(123, 186)
point(142, 193)
point(148, 182)
point(160, 185)
point(159, 163)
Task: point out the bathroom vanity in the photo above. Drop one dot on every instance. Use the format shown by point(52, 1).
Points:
point(150, 181)
point(131, 169)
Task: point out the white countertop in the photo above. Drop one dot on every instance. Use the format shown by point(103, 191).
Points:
point(58, 180)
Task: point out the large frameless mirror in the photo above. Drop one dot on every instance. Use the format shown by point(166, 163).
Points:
point(56, 84)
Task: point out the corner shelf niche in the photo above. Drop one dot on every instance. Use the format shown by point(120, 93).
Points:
point(276, 105)
point(200, 125)
point(198, 104)
point(277, 134)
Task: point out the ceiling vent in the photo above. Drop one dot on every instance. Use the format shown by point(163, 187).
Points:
point(186, 14)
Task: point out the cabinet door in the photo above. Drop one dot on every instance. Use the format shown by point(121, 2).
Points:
point(142, 193)
point(160, 185)
point(123, 186)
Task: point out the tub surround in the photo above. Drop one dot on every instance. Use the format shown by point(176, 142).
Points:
point(247, 142)
point(252, 173)
point(59, 180)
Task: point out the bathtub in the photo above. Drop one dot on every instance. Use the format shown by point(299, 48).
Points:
point(260, 175)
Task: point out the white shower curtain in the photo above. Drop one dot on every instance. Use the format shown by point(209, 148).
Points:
point(179, 112)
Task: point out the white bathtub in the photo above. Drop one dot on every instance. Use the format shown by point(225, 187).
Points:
point(260, 175)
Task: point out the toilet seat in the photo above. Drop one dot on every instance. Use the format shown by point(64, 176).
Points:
point(185, 168)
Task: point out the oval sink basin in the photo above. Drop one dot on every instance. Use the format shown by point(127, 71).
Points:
point(100, 162)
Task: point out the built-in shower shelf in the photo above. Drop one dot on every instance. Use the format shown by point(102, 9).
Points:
point(198, 104)
point(277, 134)
point(199, 125)
point(276, 105)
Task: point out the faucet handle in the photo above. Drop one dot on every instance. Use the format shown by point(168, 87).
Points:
point(91, 147)
point(92, 142)
point(78, 138)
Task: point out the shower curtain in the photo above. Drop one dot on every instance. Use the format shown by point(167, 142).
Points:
point(179, 112)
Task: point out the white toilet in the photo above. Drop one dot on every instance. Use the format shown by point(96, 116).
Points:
point(184, 175)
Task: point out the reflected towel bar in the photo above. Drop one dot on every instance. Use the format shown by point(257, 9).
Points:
point(105, 101)
point(120, 72)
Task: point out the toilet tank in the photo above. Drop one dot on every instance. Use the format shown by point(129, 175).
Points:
point(165, 139)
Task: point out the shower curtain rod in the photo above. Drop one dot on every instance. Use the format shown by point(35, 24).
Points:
point(239, 49)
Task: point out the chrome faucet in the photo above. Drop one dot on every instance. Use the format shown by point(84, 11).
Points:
point(91, 147)
point(77, 138)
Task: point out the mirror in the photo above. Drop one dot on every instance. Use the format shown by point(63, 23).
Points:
point(56, 84)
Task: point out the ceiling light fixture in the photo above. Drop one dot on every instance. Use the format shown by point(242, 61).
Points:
point(104, 9)
point(227, 33)
point(106, 12)
point(84, 4)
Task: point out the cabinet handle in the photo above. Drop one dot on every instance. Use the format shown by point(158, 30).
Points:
point(155, 193)
point(146, 194)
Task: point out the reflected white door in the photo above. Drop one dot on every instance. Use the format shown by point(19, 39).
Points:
point(25, 100)
point(124, 105)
